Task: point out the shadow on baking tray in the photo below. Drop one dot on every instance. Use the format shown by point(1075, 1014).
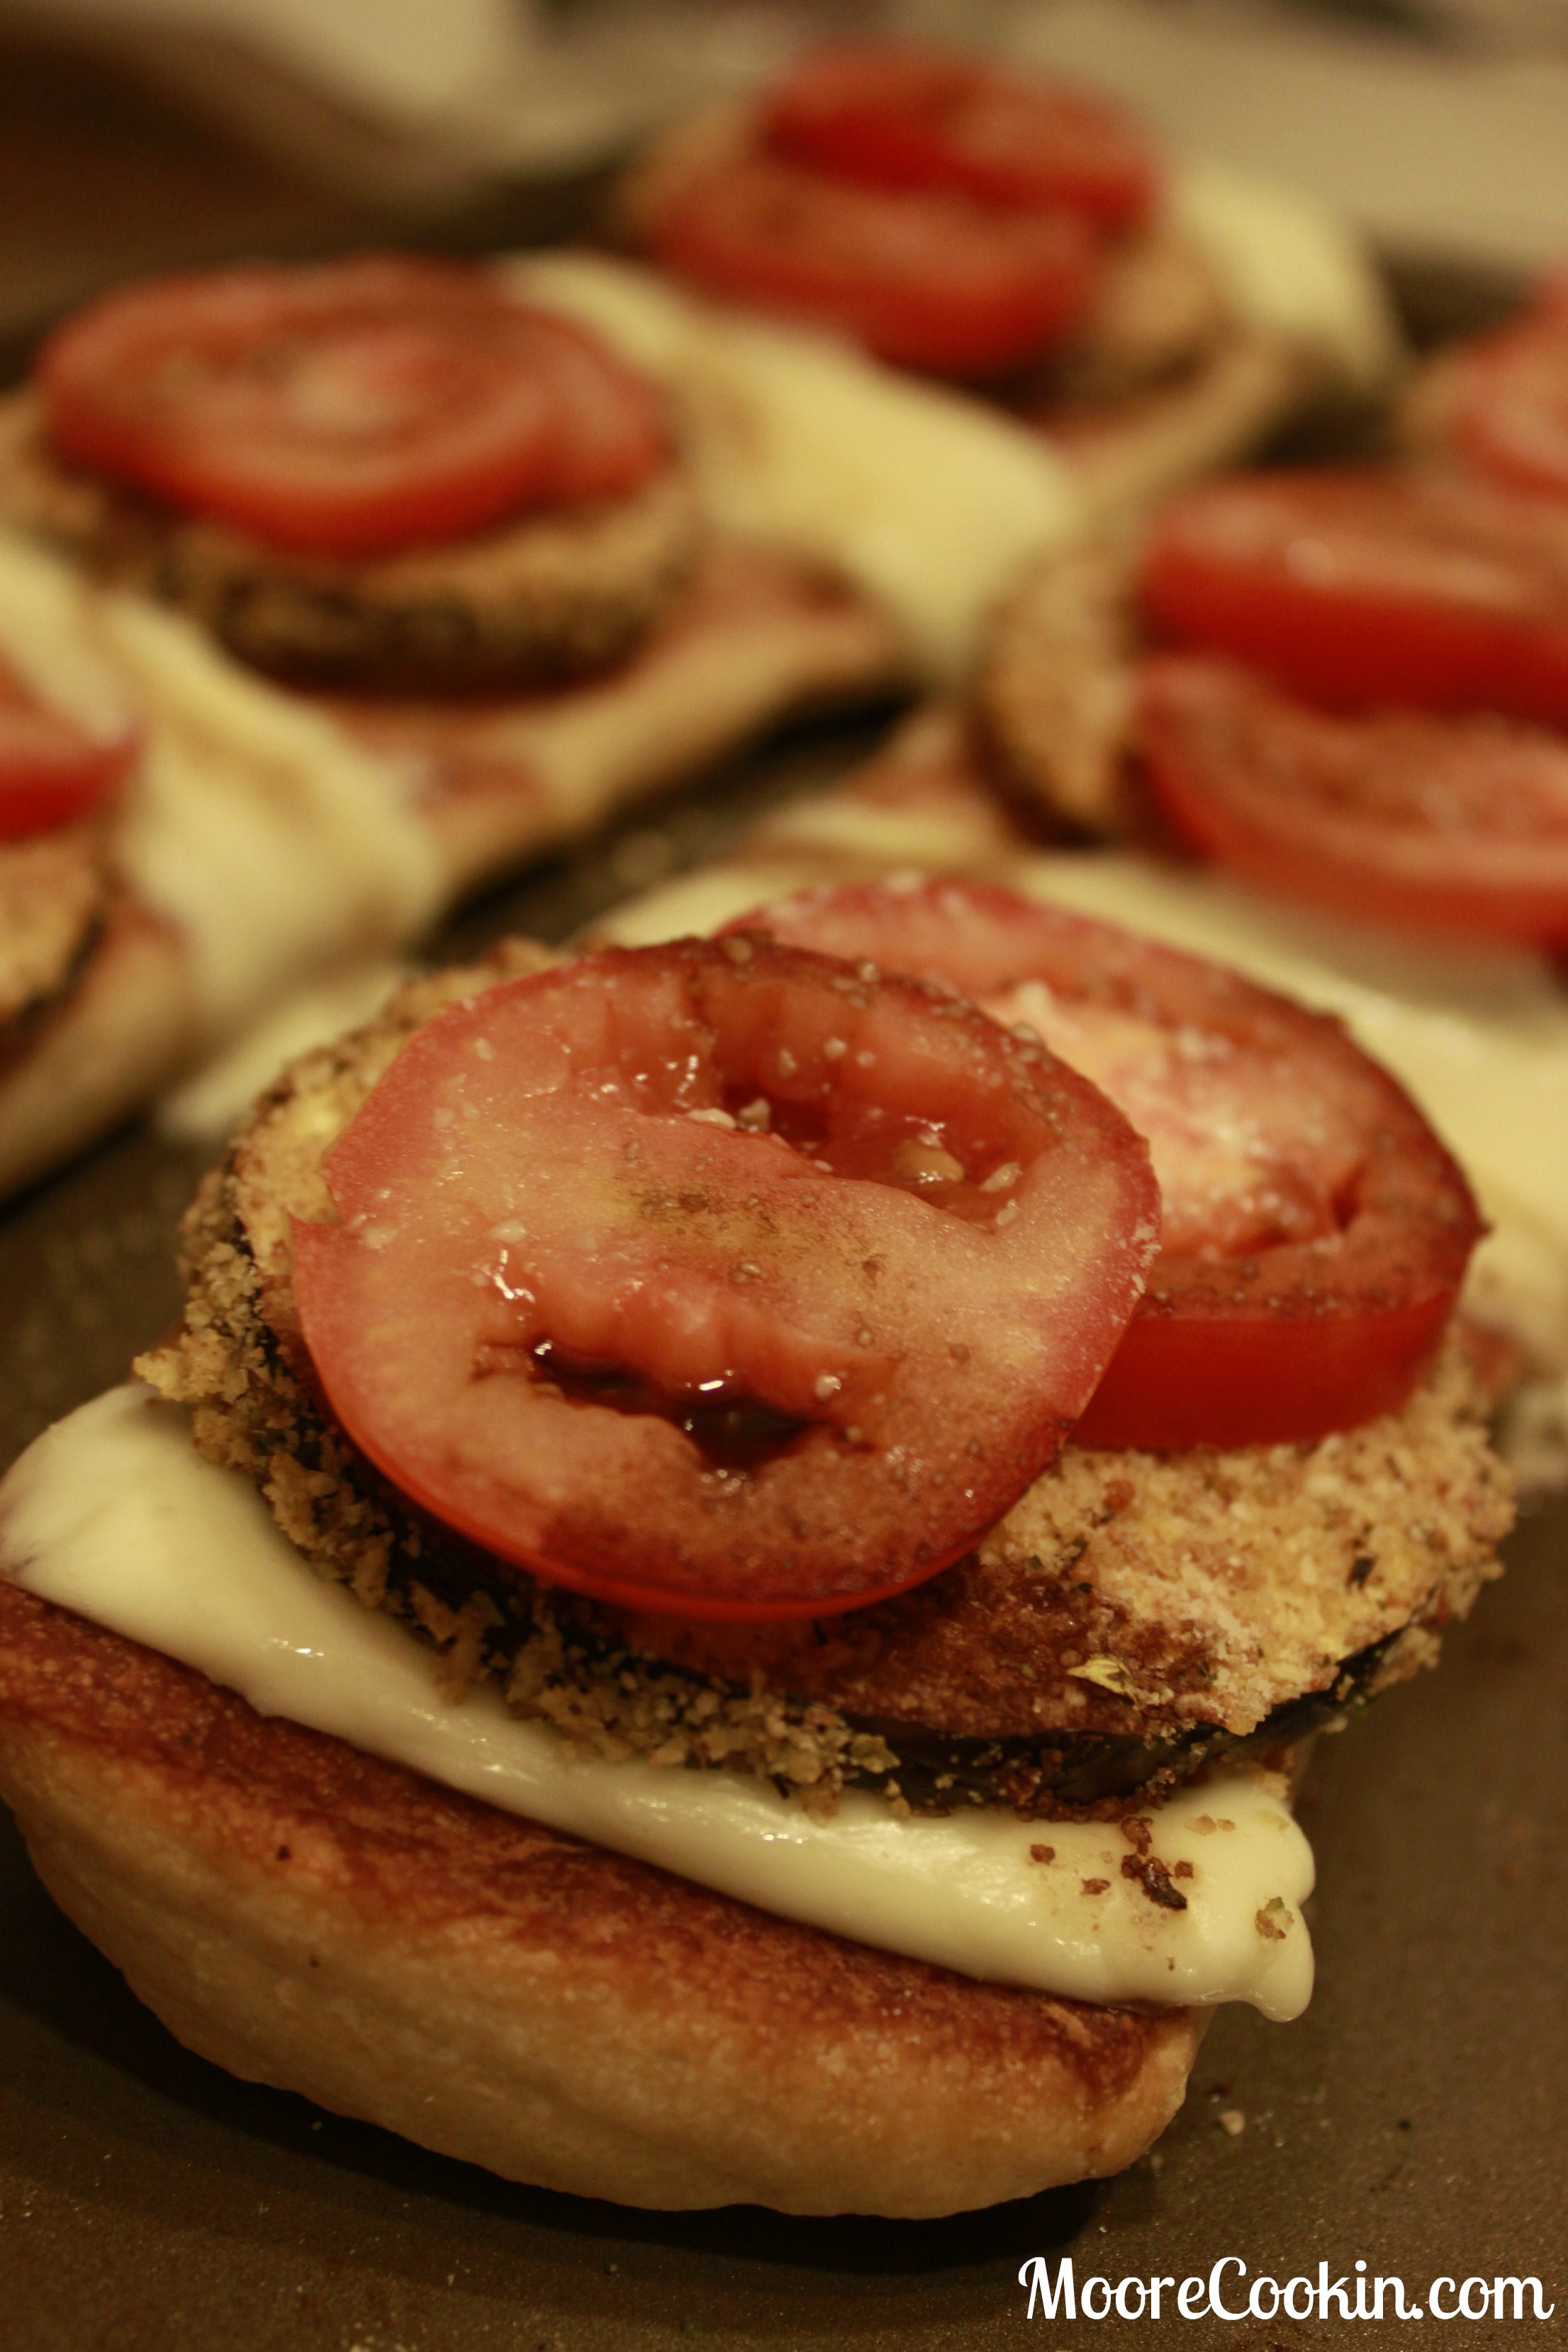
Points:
point(52, 1975)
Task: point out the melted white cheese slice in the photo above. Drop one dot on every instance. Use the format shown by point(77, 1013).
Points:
point(112, 1514)
point(1288, 266)
point(277, 844)
point(208, 1104)
point(929, 501)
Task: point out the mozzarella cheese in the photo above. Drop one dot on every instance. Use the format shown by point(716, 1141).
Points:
point(929, 501)
point(208, 1104)
point(1288, 266)
point(113, 1514)
point(276, 844)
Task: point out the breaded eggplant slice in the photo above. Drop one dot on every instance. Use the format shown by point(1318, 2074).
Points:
point(76, 1062)
point(556, 593)
point(1157, 314)
point(1133, 1615)
point(1053, 696)
point(54, 894)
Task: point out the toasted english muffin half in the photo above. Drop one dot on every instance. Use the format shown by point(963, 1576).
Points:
point(310, 1916)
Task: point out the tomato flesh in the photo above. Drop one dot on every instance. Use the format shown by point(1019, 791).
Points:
point(1456, 825)
point(926, 278)
point(1314, 1230)
point(346, 410)
point(52, 771)
point(1372, 588)
point(721, 1279)
point(904, 117)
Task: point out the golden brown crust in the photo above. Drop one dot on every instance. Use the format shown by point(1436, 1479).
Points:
point(1054, 689)
point(558, 594)
point(308, 1916)
point(554, 594)
point(664, 171)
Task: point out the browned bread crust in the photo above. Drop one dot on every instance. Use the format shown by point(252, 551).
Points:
point(310, 1916)
point(555, 595)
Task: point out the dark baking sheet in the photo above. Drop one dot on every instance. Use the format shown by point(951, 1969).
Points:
point(1416, 2118)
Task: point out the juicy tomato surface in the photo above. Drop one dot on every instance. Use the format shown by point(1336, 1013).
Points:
point(928, 278)
point(51, 769)
point(721, 1279)
point(1510, 410)
point(917, 118)
point(349, 409)
point(1363, 588)
point(1451, 825)
point(1314, 1230)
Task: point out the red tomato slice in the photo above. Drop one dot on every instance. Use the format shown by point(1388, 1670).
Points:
point(349, 409)
point(1453, 824)
point(1372, 588)
point(1511, 409)
point(1314, 1229)
point(913, 118)
point(720, 1280)
point(925, 278)
point(51, 771)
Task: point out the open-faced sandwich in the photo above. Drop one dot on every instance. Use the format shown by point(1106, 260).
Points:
point(968, 219)
point(711, 1602)
point(388, 580)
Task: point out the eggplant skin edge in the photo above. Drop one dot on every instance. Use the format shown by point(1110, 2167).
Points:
point(1045, 1778)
